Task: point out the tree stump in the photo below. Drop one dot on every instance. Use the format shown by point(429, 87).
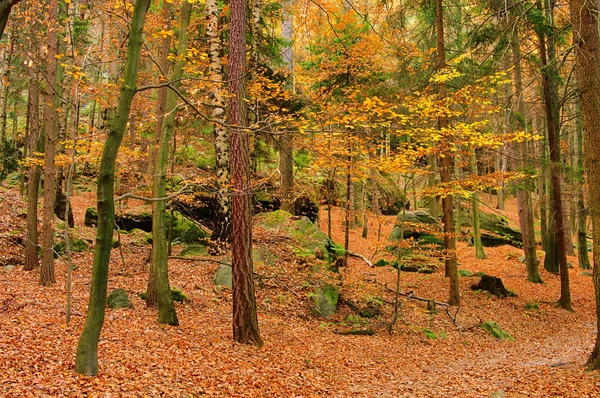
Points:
point(493, 285)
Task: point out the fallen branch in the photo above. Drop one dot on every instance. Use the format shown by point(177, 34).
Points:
point(210, 260)
point(360, 256)
point(411, 295)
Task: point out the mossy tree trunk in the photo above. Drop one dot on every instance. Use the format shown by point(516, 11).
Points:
point(479, 252)
point(580, 210)
point(166, 308)
point(584, 19)
point(245, 320)
point(86, 361)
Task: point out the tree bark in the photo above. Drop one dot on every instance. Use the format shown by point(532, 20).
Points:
point(33, 178)
point(51, 128)
point(446, 166)
point(166, 308)
point(286, 161)
point(584, 19)
point(245, 320)
point(580, 210)
point(5, 9)
point(217, 94)
point(549, 82)
point(524, 205)
point(87, 351)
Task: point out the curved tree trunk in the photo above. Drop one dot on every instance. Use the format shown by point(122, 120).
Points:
point(245, 320)
point(86, 361)
point(166, 308)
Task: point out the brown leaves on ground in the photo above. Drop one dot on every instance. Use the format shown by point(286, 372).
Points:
point(301, 356)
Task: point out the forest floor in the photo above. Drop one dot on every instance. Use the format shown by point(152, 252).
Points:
point(302, 355)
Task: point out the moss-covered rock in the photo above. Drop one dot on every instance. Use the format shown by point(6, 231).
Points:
point(178, 295)
point(185, 230)
point(325, 301)
point(118, 298)
point(262, 256)
point(194, 250)
point(419, 225)
point(139, 237)
point(313, 242)
point(495, 330)
point(75, 244)
point(223, 276)
point(91, 217)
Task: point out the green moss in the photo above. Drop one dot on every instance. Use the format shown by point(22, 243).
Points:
point(194, 250)
point(76, 245)
point(178, 295)
point(464, 273)
point(381, 263)
point(185, 230)
point(325, 301)
point(495, 330)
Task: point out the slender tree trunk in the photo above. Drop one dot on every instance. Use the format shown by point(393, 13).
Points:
point(51, 126)
point(446, 166)
point(33, 178)
point(524, 205)
point(161, 99)
point(549, 82)
point(479, 252)
point(580, 210)
point(286, 161)
point(245, 320)
point(166, 308)
point(87, 351)
point(584, 19)
point(222, 229)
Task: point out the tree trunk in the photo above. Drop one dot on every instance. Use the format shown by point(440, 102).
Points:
point(549, 84)
point(87, 351)
point(222, 229)
point(245, 320)
point(479, 252)
point(446, 166)
point(33, 178)
point(584, 19)
point(5, 8)
point(523, 193)
point(51, 127)
point(286, 161)
point(166, 308)
point(580, 210)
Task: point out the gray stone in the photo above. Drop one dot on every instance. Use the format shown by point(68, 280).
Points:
point(223, 276)
point(325, 301)
point(118, 299)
